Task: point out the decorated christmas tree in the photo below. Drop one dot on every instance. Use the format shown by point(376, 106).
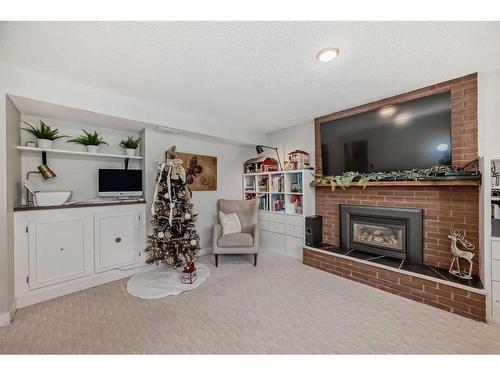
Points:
point(174, 239)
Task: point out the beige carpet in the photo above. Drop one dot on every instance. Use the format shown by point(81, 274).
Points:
point(281, 306)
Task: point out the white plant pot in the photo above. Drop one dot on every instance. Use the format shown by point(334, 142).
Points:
point(92, 149)
point(130, 151)
point(44, 143)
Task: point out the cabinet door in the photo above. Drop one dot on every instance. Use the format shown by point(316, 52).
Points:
point(495, 299)
point(59, 249)
point(115, 240)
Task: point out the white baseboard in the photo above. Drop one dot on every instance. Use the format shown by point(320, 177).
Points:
point(6, 318)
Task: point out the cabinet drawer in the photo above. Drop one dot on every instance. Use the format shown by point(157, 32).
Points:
point(277, 218)
point(277, 227)
point(263, 216)
point(495, 269)
point(264, 225)
point(495, 299)
point(295, 220)
point(495, 249)
point(294, 230)
point(58, 250)
point(115, 240)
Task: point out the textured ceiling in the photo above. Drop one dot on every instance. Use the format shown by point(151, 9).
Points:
point(256, 75)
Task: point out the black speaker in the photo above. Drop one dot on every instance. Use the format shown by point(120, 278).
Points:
point(314, 230)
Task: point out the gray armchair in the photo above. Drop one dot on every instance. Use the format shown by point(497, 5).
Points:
point(246, 242)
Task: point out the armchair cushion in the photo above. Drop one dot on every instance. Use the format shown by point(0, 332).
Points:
point(246, 211)
point(230, 223)
point(236, 240)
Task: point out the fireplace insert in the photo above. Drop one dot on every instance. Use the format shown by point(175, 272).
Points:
point(385, 231)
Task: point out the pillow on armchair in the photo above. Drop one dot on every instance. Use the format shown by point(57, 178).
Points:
point(230, 223)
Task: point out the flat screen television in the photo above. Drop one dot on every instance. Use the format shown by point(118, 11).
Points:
point(120, 183)
point(413, 134)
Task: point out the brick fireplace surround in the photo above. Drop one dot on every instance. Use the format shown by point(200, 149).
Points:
point(444, 208)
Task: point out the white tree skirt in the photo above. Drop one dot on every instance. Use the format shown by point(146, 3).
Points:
point(163, 281)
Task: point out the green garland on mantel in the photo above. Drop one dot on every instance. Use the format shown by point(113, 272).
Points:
point(344, 180)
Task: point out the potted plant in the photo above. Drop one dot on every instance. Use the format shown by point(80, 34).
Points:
point(45, 135)
point(90, 140)
point(130, 145)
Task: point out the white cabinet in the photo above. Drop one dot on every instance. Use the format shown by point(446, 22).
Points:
point(495, 299)
point(59, 249)
point(285, 198)
point(495, 249)
point(63, 250)
point(115, 240)
point(495, 269)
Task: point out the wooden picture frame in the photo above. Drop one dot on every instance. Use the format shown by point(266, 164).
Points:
point(199, 180)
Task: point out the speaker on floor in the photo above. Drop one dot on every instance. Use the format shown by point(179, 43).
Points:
point(314, 230)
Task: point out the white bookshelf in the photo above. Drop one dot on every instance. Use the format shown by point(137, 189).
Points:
point(489, 240)
point(285, 199)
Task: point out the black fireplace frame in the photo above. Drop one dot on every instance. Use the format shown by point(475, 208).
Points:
point(412, 217)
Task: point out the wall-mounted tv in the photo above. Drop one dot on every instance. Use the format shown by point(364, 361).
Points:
point(413, 134)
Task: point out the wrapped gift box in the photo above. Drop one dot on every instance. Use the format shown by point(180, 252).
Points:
point(188, 275)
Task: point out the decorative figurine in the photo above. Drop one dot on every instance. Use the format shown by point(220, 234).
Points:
point(457, 235)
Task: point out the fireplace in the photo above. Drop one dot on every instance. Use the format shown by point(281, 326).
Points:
point(384, 231)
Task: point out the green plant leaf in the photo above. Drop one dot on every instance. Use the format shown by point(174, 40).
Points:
point(43, 132)
point(130, 142)
point(89, 139)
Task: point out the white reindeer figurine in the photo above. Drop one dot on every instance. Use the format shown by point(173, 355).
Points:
point(457, 235)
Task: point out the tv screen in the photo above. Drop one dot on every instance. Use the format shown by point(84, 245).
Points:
point(413, 134)
point(117, 182)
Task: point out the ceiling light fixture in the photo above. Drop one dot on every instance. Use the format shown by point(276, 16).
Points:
point(327, 54)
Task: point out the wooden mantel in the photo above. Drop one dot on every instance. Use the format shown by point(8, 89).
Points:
point(443, 182)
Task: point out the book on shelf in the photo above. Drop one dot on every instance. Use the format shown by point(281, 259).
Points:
point(263, 202)
point(249, 196)
point(263, 183)
point(277, 183)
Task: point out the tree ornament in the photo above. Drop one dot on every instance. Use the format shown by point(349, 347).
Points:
point(160, 235)
point(193, 243)
point(187, 216)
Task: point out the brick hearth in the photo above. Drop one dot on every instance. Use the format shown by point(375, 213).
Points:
point(456, 299)
point(445, 207)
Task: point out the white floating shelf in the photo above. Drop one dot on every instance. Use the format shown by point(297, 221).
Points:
point(82, 153)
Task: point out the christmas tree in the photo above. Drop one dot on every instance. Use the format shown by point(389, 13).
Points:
point(174, 239)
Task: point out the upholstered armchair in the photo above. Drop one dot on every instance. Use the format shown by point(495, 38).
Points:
point(246, 242)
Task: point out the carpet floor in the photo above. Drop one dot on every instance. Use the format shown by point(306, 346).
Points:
point(280, 306)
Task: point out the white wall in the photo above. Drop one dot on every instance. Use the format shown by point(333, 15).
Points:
point(297, 137)
point(489, 113)
point(230, 159)
point(75, 173)
point(9, 188)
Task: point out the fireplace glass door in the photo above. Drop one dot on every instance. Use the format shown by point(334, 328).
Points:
point(389, 236)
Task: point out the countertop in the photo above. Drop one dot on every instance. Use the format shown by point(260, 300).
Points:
point(81, 205)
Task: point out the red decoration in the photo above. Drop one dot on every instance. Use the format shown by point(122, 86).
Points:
point(188, 275)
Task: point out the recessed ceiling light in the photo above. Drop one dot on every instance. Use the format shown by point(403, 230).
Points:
point(327, 54)
point(387, 111)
